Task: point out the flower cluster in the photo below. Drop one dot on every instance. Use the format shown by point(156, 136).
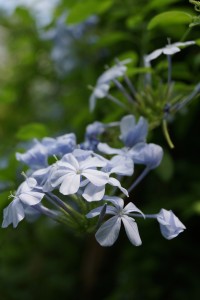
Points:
point(84, 174)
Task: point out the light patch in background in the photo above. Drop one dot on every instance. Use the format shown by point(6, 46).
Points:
point(42, 10)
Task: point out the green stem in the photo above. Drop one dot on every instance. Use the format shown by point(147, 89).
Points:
point(166, 134)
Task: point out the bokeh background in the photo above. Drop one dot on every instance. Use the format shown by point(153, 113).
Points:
point(50, 51)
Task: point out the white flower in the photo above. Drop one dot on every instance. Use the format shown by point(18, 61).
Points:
point(108, 233)
point(170, 225)
point(169, 49)
point(28, 194)
point(103, 83)
point(70, 172)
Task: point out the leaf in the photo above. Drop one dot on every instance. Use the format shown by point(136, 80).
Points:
point(170, 18)
point(197, 42)
point(129, 55)
point(83, 9)
point(166, 168)
point(156, 3)
point(111, 38)
point(33, 130)
point(134, 21)
point(7, 95)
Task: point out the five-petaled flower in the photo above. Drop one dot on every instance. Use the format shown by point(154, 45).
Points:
point(108, 233)
point(28, 194)
point(169, 49)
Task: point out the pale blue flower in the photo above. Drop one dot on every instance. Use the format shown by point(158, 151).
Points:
point(60, 145)
point(142, 153)
point(132, 132)
point(147, 154)
point(93, 131)
point(43, 177)
point(103, 83)
point(37, 156)
point(71, 171)
point(108, 233)
point(170, 225)
point(169, 49)
point(28, 194)
point(120, 165)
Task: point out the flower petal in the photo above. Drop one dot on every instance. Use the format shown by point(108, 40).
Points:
point(121, 165)
point(70, 184)
point(13, 213)
point(103, 147)
point(131, 230)
point(96, 177)
point(130, 207)
point(108, 233)
point(113, 181)
point(92, 162)
point(110, 210)
point(118, 202)
point(93, 192)
point(31, 198)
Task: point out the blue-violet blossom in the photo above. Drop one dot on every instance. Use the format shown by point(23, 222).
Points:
point(28, 194)
point(108, 233)
point(170, 225)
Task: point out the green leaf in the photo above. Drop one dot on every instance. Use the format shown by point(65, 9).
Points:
point(7, 95)
point(170, 18)
point(33, 130)
point(85, 8)
point(112, 38)
point(156, 3)
point(166, 168)
point(134, 21)
point(129, 55)
point(197, 42)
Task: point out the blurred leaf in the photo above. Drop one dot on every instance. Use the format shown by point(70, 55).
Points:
point(133, 21)
point(33, 130)
point(195, 21)
point(112, 38)
point(83, 9)
point(197, 42)
point(157, 3)
point(196, 207)
point(166, 168)
point(7, 95)
point(170, 18)
point(129, 55)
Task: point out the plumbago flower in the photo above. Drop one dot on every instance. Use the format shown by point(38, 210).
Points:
point(28, 194)
point(169, 49)
point(170, 225)
point(104, 81)
point(82, 175)
point(37, 156)
point(93, 131)
point(136, 149)
point(108, 233)
point(78, 171)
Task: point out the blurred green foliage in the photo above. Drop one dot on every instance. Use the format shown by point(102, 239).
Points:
point(44, 260)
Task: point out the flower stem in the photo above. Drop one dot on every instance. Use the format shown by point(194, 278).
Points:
point(45, 211)
point(116, 101)
point(123, 90)
point(140, 177)
point(166, 134)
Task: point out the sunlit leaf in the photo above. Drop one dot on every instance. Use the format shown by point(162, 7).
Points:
point(170, 18)
point(83, 9)
point(33, 130)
